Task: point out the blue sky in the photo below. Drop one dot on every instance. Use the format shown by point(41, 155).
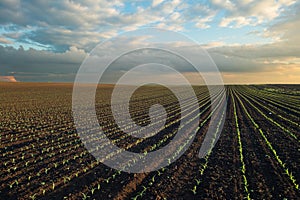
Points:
point(48, 40)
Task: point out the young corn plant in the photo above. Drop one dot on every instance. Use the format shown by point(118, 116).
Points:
point(241, 150)
point(281, 163)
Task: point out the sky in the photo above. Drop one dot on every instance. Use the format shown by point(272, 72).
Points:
point(250, 41)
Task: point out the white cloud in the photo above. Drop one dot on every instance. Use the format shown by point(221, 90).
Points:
point(3, 40)
point(213, 44)
point(201, 15)
point(203, 22)
point(251, 12)
point(156, 2)
point(227, 4)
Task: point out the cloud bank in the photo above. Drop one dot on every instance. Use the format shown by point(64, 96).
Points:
point(57, 36)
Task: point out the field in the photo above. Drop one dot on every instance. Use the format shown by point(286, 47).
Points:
point(256, 157)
